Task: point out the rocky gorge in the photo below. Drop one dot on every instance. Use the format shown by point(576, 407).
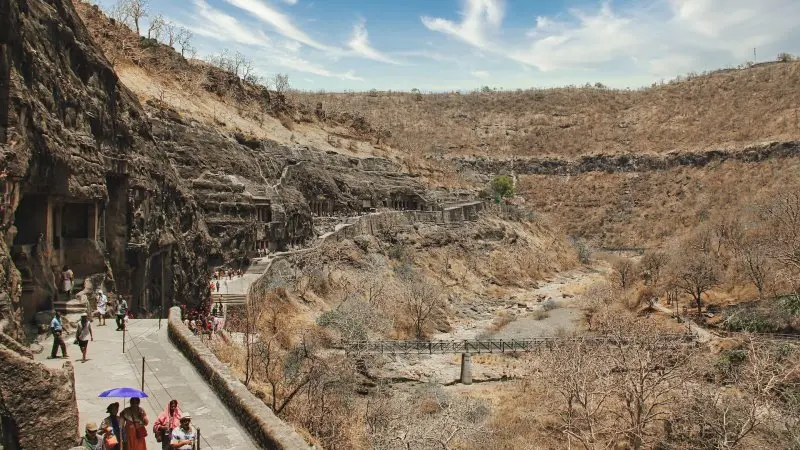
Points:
point(135, 199)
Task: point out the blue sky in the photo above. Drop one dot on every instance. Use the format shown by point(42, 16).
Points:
point(442, 45)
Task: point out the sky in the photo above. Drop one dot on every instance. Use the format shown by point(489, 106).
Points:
point(446, 45)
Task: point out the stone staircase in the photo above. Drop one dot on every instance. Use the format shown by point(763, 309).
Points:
point(258, 267)
point(71, 306)
point(229, 298)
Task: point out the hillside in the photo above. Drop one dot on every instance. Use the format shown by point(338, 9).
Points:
point(724, 109)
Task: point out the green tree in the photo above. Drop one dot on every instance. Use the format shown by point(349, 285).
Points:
point(503, 186)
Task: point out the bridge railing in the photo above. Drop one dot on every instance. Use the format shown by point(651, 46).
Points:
point(493, 345)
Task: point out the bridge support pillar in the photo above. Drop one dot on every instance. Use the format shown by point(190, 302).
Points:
point(466, 368)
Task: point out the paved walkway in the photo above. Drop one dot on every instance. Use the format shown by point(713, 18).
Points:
point(176, 378)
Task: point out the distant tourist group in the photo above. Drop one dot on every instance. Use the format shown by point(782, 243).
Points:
point(127, 430)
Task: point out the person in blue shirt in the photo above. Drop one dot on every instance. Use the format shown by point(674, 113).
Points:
point(58, 341)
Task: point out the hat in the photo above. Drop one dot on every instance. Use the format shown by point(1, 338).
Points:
point(84, 315)
point(91, 426)
point(186, 416)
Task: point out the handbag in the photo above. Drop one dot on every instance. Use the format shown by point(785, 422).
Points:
point(111, 441)
point(77, 342)
point(141, 431)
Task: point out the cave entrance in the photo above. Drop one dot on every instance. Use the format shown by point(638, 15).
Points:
point(158, 293)
point(31, 219)
point(75, 221)
point(264, 212)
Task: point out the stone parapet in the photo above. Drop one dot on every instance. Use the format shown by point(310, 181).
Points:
point(267, 430)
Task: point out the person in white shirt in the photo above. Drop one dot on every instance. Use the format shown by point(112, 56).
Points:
point(183, 437)
point(102, 306)
point(83, 334)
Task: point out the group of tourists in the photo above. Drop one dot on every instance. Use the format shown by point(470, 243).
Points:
point(202, 320)
point(127, 430)
point(84, 332)
point(227, 273)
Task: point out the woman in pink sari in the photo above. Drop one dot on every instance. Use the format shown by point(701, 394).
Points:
point(168, 420)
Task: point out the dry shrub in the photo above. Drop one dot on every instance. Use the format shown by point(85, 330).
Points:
point(501, 321)
point(540, 314)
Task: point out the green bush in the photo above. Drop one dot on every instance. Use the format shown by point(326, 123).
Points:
point(729, 361)
point(503, 186)
point(751, 321)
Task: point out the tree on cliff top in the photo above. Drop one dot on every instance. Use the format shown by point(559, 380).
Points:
point(503, 186)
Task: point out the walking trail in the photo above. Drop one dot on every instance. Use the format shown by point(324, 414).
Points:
point(168, 374)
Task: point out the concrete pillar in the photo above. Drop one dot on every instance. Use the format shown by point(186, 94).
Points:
point(466, 368)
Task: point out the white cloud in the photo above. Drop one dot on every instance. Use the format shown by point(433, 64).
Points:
point(480, 74)
point(282, 23)
point(478, 17)
point(213, 23)
point(290, 2)
point(589, 39)
point(658, 37)
point(359, 44)
point(294, 62)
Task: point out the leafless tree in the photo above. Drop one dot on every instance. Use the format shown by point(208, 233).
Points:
point(695, 274)
point(624, 272)
point(782, 216)
point(647, 370)
point(430, 418)
point(597, 299)
point(652, 266)
point(281, 83)
point(131, 11)
point(583, 386)
point(715, 418)
point(259, 300)
point(184, 39)
point(754, 260)
point(286, 372)
point(156, 28)
point(170, 33)
point(419, 300)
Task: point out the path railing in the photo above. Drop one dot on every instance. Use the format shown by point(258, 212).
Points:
point(496, 345)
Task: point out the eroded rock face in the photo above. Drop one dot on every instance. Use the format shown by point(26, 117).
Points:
point(74, 142)
point(634, 162)
point(257, 193)
point(38, 409)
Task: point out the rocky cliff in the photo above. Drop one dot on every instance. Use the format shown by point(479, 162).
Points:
point(80, 165)
point(633, 162)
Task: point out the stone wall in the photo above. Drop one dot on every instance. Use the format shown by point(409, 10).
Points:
point(373, 224)
point(38, 408)
point(265, 428)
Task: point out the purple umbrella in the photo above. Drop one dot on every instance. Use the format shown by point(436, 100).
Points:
point(123, 392)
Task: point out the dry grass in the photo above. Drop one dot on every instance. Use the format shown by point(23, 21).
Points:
point(648, 208)
point(728, 108)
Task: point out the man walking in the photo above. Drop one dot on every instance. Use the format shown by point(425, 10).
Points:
point(122, 311)
point(183, 437)
point(83, 334)
point(58, 341)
